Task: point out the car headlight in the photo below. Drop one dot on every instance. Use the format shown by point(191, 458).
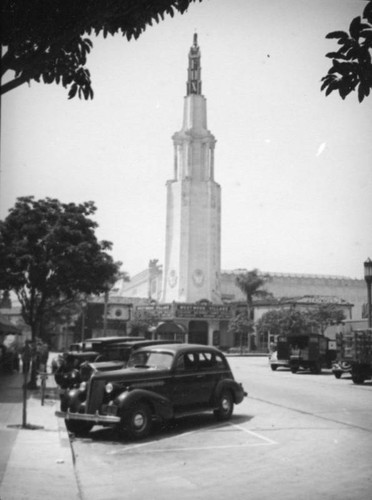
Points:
point(109, 388)
point(83, 386)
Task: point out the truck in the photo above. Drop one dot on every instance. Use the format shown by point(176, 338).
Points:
point(355, 348)
point(279, 357)
point(311, 351)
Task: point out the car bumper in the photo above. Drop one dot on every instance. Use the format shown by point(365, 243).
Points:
point(279, 362)
point(88, 417)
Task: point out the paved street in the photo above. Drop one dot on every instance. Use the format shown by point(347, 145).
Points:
point(295, 436)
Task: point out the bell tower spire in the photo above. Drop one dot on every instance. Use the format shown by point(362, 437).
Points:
point(194, 83)
point(192, 266)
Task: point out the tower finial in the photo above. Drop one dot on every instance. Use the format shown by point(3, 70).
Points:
point(193, 85)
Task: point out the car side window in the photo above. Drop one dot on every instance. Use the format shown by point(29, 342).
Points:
point(187, 362)
point(220, 362)
point(207, 361)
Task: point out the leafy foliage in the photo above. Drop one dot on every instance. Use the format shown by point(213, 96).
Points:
point(294, 321)
point(49, 255)
point(351, 64)
point(250, 283)
point(325, 315)
point(47, 40)
point(141, 323)
point(284, 321)
point(241, 326)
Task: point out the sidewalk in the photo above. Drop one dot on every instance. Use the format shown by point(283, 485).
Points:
point(35, 463)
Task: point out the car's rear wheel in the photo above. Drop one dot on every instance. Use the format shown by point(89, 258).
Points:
point(274, 367)
point(316, 368)
point(225, 406)
point(137, 420)
point(78, 427)
point(358, 377)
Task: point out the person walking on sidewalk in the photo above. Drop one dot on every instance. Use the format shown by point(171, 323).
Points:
point(43, 349)
point(27, 356)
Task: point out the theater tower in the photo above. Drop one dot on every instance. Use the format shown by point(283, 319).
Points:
point(192, 262)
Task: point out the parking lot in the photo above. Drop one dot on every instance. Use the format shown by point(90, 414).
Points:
point(295, 436)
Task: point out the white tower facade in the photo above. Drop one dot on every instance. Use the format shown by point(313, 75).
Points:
point(192, 263)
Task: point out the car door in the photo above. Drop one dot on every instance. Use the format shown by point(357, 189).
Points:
point(213, 368)
point(187, 385)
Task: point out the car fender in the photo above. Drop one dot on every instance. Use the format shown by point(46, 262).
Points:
point(74, 398)
point(67, 379)
point(160, 405)
point(232, 386)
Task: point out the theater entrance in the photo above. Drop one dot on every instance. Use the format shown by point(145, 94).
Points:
point(198, 332)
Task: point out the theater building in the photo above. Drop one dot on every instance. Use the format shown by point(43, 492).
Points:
point(190, 296)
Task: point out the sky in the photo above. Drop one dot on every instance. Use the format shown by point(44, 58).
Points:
point(294, 166)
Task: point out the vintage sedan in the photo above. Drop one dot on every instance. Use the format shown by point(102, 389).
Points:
point(161, 382)
point(67, 374)
point(113, 357)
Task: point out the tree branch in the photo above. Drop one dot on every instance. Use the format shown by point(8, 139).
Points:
point(5, 59)
point(13, 84)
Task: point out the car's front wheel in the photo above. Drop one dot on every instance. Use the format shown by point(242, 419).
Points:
point(225, 406)
point(137, 421)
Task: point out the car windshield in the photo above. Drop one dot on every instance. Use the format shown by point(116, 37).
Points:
point(148, 359)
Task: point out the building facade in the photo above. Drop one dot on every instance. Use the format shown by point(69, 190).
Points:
point(189, 291)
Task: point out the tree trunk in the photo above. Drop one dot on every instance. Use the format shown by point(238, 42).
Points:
point(32, 385)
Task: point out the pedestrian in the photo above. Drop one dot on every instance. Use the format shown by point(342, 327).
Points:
point(27, 356)
point(3, 354)
point(43, 357)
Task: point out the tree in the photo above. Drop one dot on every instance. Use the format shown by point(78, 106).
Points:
point(241, 326)
point(49, 256)
point(325, 315)
point(351, 64)
point(250, 284)
point(294, 321)
point(142, 322)
point(284, 321)
point(49, 41)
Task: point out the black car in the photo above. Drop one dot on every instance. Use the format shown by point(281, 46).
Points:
point(82, 365)
point(161, 382)
point(115, 356)
point(67, 373)
point(100, 343)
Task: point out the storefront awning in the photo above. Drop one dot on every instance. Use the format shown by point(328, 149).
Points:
point(170, 327)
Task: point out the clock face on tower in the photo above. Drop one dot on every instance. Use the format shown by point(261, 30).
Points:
point(198, 277)
point(172, 278)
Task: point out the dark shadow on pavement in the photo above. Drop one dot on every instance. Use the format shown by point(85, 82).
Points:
point(165, 430)
point(11, 388)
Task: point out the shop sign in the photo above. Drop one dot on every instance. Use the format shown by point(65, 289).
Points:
point(203, 311)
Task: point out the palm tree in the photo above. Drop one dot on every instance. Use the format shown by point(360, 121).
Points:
point(250, 284)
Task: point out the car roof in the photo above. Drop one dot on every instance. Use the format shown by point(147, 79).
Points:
point(82, 354)
point(109, 340)
point(176, 348)
point(139, 343)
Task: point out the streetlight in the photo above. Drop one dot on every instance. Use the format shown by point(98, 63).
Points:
point(368, 278)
